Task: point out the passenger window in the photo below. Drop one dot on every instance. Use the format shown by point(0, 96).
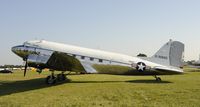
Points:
point(74, 55)
point(100, 60)
point(91, 59)
point(82, 57)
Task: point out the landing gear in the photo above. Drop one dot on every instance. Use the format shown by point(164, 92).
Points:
point(158, 78)
point(61, 77)
point(39, 71)
point(52, 79)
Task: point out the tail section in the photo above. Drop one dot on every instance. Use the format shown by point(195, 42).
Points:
point(171, 54)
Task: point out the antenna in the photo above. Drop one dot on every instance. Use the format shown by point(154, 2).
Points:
point(171, 34)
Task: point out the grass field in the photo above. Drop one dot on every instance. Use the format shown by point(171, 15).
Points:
point(99, 90)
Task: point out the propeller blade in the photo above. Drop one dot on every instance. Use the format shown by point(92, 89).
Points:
point(26, 65)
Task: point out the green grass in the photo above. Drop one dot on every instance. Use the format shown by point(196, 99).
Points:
point(99, 90)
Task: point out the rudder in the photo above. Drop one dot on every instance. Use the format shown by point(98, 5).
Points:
point(171, 54)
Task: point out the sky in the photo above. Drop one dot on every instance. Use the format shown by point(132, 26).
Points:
point(124, 26)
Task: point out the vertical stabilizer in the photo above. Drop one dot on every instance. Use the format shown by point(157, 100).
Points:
point(171, 54)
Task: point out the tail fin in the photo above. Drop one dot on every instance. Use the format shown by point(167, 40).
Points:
point(171, 54)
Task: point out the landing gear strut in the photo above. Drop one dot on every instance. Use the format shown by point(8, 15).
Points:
point(157, 78)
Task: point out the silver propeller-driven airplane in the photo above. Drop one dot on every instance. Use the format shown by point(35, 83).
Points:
point(61, 57)
point(195, 64)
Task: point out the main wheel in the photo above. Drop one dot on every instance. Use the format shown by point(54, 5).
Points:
point(61, 77)
point(51, 80)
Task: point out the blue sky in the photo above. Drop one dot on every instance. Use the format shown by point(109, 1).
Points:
point(124, 26)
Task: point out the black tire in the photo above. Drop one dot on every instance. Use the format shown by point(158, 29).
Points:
point(61, 77)
point(50, 80)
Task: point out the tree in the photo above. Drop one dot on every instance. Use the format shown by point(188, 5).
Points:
point(141, 55)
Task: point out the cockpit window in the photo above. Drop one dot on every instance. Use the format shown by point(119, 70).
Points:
point(27, 44)
point(33, 43)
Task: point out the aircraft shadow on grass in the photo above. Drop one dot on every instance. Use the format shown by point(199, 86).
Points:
point(7, 88)
point(130, 81)
point(149, 81)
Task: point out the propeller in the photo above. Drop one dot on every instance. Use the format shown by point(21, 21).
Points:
point(26, 65)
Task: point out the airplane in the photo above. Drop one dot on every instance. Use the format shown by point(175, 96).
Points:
point(195, 64)
point(42, 54)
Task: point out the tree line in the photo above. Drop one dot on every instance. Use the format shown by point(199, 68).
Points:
point(11, 66)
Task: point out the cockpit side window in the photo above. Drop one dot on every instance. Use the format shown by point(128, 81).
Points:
point(30, 50)
point(26, 44)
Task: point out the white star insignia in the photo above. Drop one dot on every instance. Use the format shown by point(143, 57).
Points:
point(141, 67)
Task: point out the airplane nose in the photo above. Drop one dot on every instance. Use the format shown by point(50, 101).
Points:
point(19, 50)
point(14, 49)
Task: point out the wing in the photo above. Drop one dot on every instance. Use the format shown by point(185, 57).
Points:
point(64, 62)
point(56, 61)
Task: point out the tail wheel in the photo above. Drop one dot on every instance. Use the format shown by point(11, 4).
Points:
point(51, 80)
point(158, 79)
